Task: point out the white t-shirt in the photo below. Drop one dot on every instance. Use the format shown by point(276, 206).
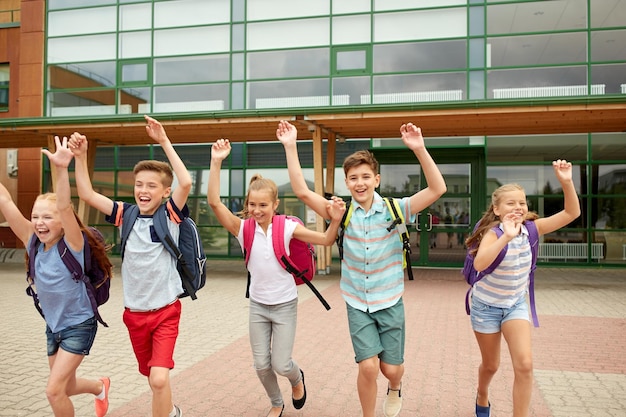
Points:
point(269, 282)
point(149, 275)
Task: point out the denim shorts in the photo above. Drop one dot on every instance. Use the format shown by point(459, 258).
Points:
point(76, 339)
point(488, 319)
point(381, 333)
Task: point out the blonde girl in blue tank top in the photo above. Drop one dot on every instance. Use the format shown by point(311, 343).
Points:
point(70, 323)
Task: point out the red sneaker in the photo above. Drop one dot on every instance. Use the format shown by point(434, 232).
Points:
point(102, 406)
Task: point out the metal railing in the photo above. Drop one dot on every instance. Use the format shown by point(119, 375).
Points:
point(413, 97)
point(306, 101)
point(570, 251)
point(551, 91)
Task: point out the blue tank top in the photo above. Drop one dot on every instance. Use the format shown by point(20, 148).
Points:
point(63, 300)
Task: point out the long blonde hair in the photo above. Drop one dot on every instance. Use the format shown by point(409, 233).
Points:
point(258, 183)
point(490, 219)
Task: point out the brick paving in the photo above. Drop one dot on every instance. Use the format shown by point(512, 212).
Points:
point(579, 351)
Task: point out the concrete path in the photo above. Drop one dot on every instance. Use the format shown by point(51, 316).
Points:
point(579, 351)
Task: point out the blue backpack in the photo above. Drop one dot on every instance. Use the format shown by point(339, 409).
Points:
point(97, 281)
point(189, 253)
point(472, 276)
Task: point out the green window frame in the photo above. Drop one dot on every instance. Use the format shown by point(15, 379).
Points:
point(342, 55)
point(134, 72)
point(4, 86)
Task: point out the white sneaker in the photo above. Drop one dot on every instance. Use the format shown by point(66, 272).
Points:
point(393, 402)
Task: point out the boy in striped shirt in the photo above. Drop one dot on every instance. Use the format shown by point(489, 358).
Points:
point(372, 275)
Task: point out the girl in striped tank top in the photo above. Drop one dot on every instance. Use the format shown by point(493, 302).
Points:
point(499, 306)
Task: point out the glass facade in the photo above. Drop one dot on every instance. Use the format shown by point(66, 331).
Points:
point(193, 55)
point(135, 57)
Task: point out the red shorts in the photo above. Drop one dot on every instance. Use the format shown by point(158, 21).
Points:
point(153, 335)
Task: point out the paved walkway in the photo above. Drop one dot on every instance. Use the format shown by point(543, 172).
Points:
point(579, 351)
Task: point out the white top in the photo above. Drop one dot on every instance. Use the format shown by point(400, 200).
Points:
point(270, 284)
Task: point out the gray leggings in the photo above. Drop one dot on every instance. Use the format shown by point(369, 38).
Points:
point(272, 334)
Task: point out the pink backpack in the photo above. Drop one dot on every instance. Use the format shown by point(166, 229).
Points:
point(301, 261)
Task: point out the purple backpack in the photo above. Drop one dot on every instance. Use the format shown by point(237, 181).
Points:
point(96, 280)
point(472, 276)
point(301, 261)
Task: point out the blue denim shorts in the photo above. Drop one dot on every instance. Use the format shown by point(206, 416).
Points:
point(488, 319)
point(76, 339)
point(381, 333)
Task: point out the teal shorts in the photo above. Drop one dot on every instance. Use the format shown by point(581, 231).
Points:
point(381, 333)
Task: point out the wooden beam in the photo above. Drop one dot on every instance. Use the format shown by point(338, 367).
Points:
point(497, 119)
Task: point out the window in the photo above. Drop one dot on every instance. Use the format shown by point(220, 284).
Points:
point(352, 60)
point(134, 72)
point(4, 86)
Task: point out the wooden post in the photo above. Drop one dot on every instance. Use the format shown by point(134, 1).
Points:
point(318, 171)
point(331, 155)
point(84, 210)
point(53, 169)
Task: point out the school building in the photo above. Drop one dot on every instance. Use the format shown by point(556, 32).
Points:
point(500, 89)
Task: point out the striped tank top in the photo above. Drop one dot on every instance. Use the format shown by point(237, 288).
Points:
point(509, 282)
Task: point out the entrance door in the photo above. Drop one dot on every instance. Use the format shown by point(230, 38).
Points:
point(438, 233)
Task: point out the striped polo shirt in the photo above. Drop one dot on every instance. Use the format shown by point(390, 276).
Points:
point(372, 276)
point(509, 282)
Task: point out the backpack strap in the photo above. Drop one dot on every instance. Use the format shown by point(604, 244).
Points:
point(249, 226)
point(533, 239)
point(342, 227)
point(160, 227)
point(129, 215)
point(30, 274)
point(278, 238)
point(78, 273)
point(400, 225)
point(492, 267)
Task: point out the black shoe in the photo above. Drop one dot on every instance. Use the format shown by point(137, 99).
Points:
point(299, 403)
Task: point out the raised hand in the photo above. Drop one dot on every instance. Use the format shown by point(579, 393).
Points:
point(286, 133)
point(220, 149)
point(412, 136)
point(78, 144)
point(512, 224)
point(155, 130)
point(62, 156)
point(562, 170)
